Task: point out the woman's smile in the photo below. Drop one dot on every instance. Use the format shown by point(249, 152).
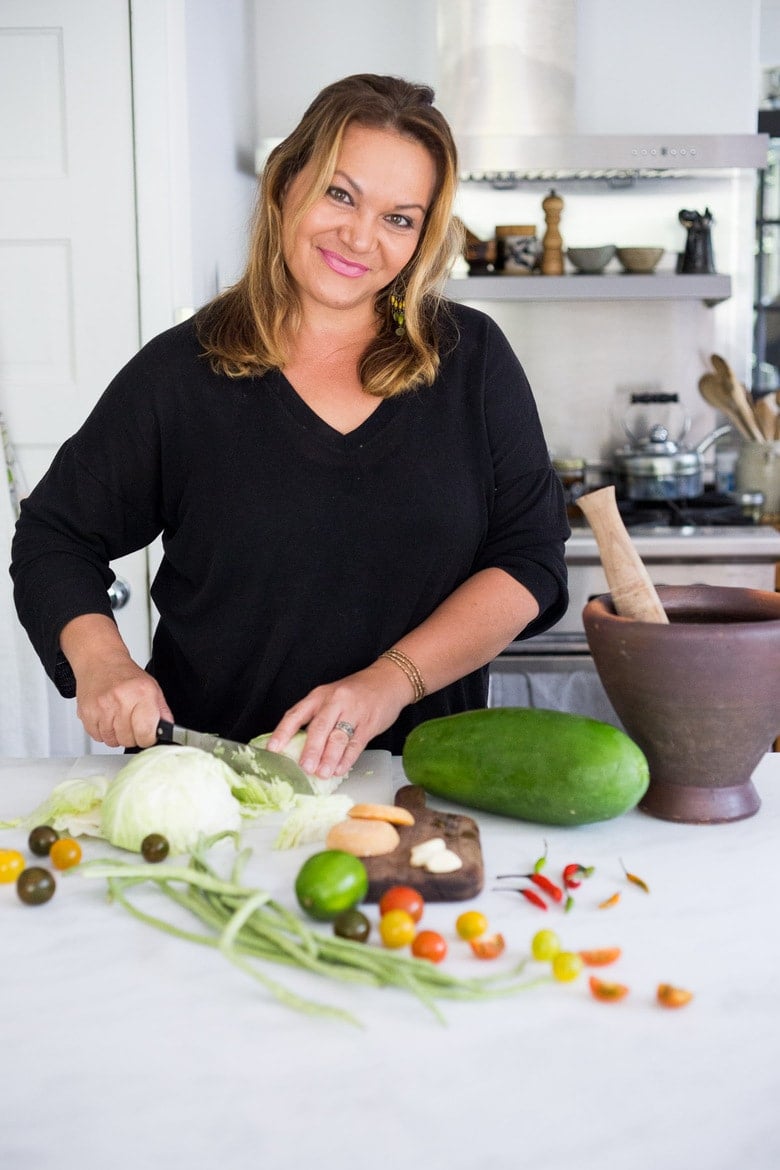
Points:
point(341, 265)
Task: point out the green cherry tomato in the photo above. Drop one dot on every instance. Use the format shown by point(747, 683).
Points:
point(11, 865)
point(35, 885)
point(329, 882)
point(41, 839)
point(352, 924)
point(154, 848)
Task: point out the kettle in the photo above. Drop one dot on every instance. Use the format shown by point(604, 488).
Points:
point(659, 467)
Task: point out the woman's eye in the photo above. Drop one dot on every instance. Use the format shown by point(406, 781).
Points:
point(339, 194)
point(402, 221)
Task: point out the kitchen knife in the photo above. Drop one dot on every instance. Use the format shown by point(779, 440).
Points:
point(241, 757)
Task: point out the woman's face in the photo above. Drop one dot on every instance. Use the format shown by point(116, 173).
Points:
point(357, 237)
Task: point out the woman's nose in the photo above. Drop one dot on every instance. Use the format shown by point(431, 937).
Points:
point(358, 231)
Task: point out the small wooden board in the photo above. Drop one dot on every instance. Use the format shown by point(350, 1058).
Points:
point(461, 835)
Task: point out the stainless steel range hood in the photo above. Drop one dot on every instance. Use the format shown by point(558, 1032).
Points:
point(506, 158)
point(510, 65)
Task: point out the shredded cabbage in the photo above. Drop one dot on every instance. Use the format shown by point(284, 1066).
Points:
point(312, 819)
point(73, 806)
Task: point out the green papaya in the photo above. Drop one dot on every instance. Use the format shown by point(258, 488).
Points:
point(549, 767)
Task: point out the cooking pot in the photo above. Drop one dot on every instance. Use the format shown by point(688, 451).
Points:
point(658, 467)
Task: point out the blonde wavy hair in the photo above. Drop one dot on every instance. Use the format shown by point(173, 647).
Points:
point(247, 329)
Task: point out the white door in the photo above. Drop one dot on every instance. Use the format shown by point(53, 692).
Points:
point(68, 266)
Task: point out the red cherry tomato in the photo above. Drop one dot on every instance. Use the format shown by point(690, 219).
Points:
point(488, 946)
point(403, 898)
point(430, 945)
point(600, 958)
point(607, 992)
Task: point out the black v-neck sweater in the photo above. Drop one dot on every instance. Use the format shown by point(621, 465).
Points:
point(293, 554)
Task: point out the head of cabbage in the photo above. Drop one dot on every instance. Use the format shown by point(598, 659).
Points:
point(181, 792)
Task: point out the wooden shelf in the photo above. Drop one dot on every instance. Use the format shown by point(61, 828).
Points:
point(656, 286)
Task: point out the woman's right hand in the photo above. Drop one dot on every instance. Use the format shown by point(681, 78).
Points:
point(118, 702)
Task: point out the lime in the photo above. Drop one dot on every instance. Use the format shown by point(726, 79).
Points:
point(330, 882)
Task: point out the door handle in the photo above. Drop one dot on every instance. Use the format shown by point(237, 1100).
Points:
point(119, 593)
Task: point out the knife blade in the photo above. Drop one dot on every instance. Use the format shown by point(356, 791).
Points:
point(241, 757)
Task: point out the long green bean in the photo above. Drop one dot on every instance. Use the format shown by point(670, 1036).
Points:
point(248, 926)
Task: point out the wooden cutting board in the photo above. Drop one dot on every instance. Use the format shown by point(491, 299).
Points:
point(461, 835)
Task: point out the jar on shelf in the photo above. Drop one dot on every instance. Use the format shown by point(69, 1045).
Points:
point(571, 473)
point(517, 249)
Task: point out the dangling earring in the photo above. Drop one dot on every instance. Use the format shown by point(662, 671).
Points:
point(397, 312)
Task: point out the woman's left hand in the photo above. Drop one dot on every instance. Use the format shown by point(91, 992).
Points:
point(342, 717)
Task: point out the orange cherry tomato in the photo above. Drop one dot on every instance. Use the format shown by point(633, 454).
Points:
point(11, 865)
point(600, 958)
point(65, 853)
point(489, 946)
point(471, 924)
point(673, 997)
point(607, 992)
point(403, 898)
point(430, 945)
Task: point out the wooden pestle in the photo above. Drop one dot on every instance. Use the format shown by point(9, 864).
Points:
point(633, 593)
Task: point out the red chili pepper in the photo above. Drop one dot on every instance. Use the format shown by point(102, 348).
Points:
point(544, 883)
point(574, 873)
point(534, 898)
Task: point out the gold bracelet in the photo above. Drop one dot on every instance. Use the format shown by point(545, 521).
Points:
point(409, 669)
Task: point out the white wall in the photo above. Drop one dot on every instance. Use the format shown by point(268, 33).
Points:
point(642, 65)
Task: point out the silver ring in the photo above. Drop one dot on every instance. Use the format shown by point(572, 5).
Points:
point(347, 728)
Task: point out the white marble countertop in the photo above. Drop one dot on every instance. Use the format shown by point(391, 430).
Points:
point(124, 1047)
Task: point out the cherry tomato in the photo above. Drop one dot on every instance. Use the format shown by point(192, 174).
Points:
point(352, 924)
point(403, 898)
point(607, 992)
point(673, 997)
point(396, 929)
point(545, 945)
point(41, 839)
point(430, 945)
point(11, 865)
point(488, 947)
point(154, 848)
point(35, 885)
point(566, 965)
point(65, 853)
point(471, 924)
point(600, 958)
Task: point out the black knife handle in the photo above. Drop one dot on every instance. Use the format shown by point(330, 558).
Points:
point(164, 732)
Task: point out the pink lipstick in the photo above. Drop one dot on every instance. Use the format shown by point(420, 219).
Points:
point(341, 265)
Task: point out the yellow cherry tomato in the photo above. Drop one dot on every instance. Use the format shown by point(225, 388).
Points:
point(65, 853)
point(11, 865)
point(471, 924)
point(545, 945)
point(566, 966)
point(397, 929)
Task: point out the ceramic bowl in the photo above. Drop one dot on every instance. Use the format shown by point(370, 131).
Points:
point(591, 260)
point(639, 259)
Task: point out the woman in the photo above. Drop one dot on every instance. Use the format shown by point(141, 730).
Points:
point(355, 498)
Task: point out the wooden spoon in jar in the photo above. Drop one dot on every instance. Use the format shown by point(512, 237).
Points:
point(712, 391)
point(736, 394)
point(633, 593)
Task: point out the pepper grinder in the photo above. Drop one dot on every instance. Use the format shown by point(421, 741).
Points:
point(552, 244)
